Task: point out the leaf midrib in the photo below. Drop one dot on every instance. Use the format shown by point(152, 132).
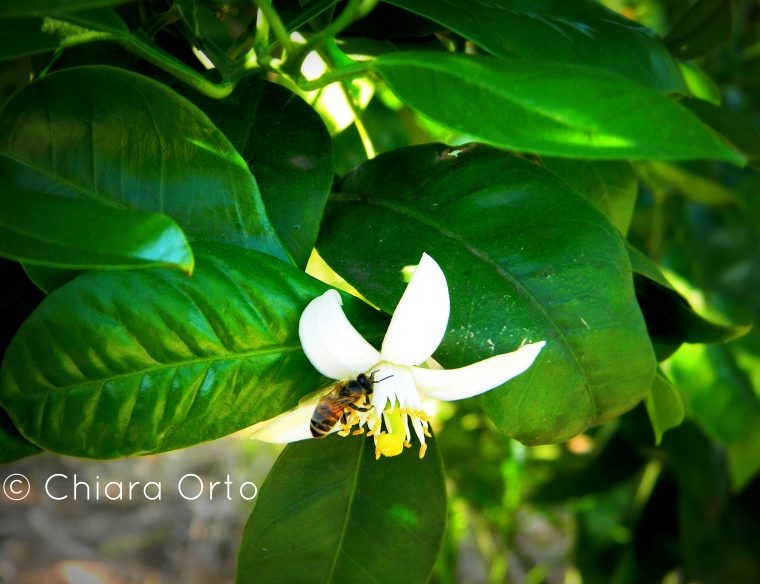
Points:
point(349, 509)
point(186, 363)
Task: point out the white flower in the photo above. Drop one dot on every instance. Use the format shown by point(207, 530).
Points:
point(338, 351)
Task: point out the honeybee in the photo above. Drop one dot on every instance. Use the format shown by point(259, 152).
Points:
point(340, 399)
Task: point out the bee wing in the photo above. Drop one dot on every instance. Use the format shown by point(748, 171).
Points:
point(321, 393)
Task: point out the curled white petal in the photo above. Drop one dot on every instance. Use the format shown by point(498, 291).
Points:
point(331, 343)
point(291, 426)
point(420, 319)
point(453, 384)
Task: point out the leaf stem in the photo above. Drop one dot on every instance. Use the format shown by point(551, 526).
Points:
point(144, 49)
point(275, 23)
point(355, 69)
point(354, 10)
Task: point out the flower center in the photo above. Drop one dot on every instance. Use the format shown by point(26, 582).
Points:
point(390, 429)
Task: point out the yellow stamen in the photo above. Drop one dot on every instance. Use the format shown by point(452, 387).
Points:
point(423, 449)
point(358, 432)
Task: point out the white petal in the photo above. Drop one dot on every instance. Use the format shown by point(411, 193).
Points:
point(288, 427)
point(420, 319)
point(384, 386)
point(397, 387)
point(330, 341)
point(452, 384)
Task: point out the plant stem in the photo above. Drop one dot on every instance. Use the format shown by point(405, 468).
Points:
point(174, 66)
point(275, 23)
point(354, 10)
point(339, 74)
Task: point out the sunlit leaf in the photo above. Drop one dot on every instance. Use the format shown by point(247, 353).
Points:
point(105, 134)
point(580, 32)
point(46, 229)
point(548, 108)
point(664, 406)
point(526, 259)
point(118, 363)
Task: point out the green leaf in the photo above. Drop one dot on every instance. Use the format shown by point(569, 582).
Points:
point(105, 134)
point(24, 36)
point(744, 459)
point(556, 109)
point(16, 8)
point(288, 149)
point(526, 259)
point(578, 32)
point(13, 446)
point(610, 185)
point(717, 392)
point(295, 13)
point(738, 130)
point(664, 406)
point(118, 363)
point(670, 319)
point(691, 185)
point(706, 25)
point(101, 19)
point(27, 36)
point(68, 233)
point(49, 279)
point(330, 512)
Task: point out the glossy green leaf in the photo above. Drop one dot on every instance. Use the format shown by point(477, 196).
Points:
point(118, 363)
point(548, 108)
point(705, 26)
point(288, 149)
point(670, 319)
point(578, 32)
point(15, 8)
point(664, 406)
point(49, 279)
point(610, 185)
point(39, 228)
point(13, 446)
point(717, 392)
point(736, 129)
point(330, 512)
point(105, 134)
point(526, 259)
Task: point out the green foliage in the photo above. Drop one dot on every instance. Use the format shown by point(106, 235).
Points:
point(552, 108)
point(92, 374)
point(383, 521)
point(167, 169)
point(501, 228)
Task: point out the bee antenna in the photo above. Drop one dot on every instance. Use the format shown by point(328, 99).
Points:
point(383, 379)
